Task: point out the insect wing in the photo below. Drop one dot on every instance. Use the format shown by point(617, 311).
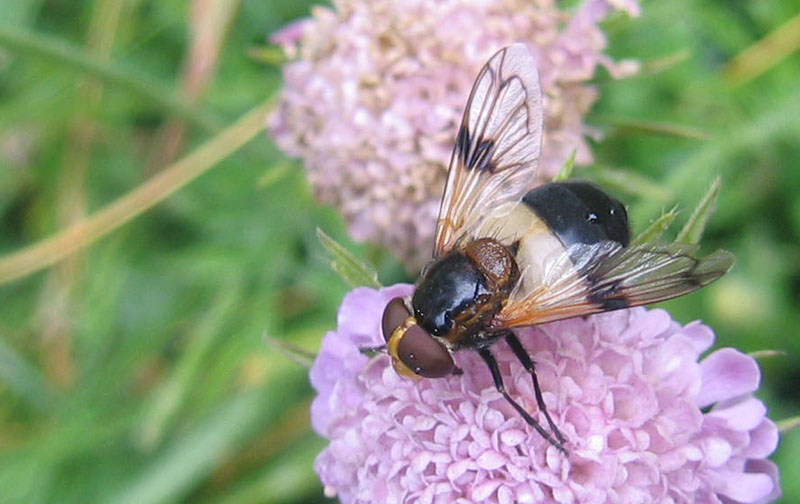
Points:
point(605, 276)
point(497, 148)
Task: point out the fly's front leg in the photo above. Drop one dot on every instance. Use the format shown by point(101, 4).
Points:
point(373, 350)
point(498, 383)
point(529, 365)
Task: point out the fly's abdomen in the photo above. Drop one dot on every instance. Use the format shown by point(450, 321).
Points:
point(551, 219)
point(578, 212)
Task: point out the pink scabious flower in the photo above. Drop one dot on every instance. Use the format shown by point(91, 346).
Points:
point(645, 420)
point(374, 90)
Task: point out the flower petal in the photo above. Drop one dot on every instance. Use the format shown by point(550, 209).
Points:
point(727, 373)
point(745, 487)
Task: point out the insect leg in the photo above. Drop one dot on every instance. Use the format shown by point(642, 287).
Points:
point(372, 350)
point(498, 383)
point(529, 365)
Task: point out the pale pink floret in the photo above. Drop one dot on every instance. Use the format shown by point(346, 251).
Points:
point(626, 388)
point(374, 91)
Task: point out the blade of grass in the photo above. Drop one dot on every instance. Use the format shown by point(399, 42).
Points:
point(658, 65)
point(293, 426)
point(788, 424)
point(633, 183)
point(765, 354)
point(275, 174)
point(267, 55)
point(566, 169)
point(283, 480)
point(693, 229)
point(654, 127)
point(354, 272)
point(78, 60)
point(209, 24)
point(192, 457)
point(293, 352)
point(170, 396)
point(716, 156)
point(764, 54)
point(51, 250)
point(57, 303)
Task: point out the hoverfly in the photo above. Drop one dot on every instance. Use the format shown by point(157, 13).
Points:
point(508, 256)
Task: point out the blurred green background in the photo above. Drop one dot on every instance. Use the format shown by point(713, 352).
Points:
point(136, 370)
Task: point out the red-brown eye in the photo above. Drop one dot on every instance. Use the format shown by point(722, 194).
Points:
point(423, 354)
point(394, 314)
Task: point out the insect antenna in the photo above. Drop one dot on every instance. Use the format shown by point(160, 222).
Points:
point(487, 356)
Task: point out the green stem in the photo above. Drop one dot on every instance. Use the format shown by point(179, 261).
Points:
point(76, 59)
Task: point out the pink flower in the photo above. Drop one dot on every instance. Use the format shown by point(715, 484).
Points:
point(375, 89)
point(644, 419)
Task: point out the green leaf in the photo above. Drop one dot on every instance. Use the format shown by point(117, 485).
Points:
point(655, 127)
point(657, 228)
point(693, 230)
point(566, 168)
point(354, 272)
point(294, 353)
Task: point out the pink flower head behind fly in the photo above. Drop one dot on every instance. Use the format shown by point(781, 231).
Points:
point(646, 420)
point(374, 91)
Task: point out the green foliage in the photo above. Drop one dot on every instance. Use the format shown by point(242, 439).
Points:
point(354, 272)
point(654, 231)
point(566, 169)
point(692, 231)
point(137, 371)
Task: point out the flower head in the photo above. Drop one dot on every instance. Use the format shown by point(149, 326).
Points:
point(375, 90)
point(645, 420)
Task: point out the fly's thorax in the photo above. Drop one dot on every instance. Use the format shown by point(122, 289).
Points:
point(451, 285)
point(495, 261)
point(461, 292)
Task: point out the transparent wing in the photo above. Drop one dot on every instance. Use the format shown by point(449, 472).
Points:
point(605, 276)
point(497, 147)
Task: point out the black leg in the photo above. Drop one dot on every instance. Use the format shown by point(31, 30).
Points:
point(527, 362)
point(372, 350)
point(498, 383)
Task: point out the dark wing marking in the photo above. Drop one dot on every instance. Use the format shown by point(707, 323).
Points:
point(604, 276)
point(495, 156)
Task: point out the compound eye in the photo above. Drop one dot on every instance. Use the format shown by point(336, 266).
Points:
point(394, 315)
point(423, 354)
